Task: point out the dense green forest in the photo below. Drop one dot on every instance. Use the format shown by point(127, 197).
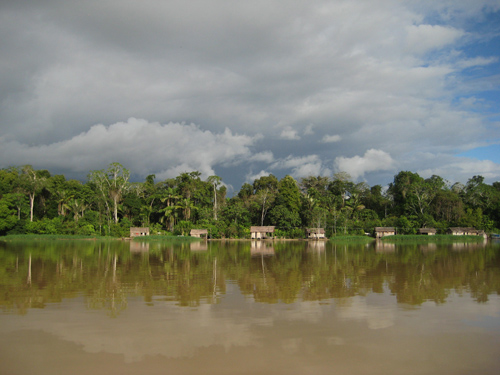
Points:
point(108, 204)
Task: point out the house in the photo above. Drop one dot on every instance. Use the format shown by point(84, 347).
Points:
point(259, 233)
point(315, 233)
point(137, 232)
point(460, 231)
point(427, 231)
point(199, 233)
point(463, 231)
point(384, 231)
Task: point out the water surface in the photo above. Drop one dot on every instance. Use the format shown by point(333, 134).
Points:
point(84, 307)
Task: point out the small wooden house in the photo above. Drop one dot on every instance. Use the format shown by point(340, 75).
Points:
point(199, 233)
point(259, 233)
point(461, 231)
point(137, 232)
point(427, 231)
point(315, 233)
point(384, 231)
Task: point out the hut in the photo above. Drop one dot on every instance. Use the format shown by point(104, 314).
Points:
point(315, 233)
point(462, 231)
point(138, 231)
point(466, 231)
point(427, 231)
point(199, 233)
point(384, 231)
point(259, 233)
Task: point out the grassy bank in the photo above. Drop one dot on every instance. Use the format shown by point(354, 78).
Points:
point(351, 239)
point(157, 238)
point(50, 237)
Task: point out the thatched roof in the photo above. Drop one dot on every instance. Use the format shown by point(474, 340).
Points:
point(467, 230)
point(316, 230)
point(139, 229)
point(264, 229)
point(385, 229)
point(198, 231)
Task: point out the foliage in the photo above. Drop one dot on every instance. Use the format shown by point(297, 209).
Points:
point(108, 204)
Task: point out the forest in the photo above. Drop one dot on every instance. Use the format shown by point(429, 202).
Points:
point(108, 204)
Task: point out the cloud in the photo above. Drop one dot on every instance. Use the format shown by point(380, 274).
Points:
point(373, 160)
point(465, 168)
point(290, 134)
point(266, 156)
point(331, 138)
point(425, 38)
point(251, 177)
point(302, 166)
point(141, 146)
point(309, 130)
point(388, 75)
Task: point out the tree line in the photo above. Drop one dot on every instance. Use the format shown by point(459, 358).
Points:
point(108, 204)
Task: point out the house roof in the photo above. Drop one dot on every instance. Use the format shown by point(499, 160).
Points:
point(384, 229)
point(316, 230)
point(264, 229)
point(199, 231)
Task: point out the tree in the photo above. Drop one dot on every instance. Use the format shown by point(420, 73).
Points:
point(111, 184)
point(286, 211)
point(7, 213)
point(215, 181)
point(32, 182)
point(265, 193)
point(340, 185)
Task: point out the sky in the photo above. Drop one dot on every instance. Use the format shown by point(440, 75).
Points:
point(244, 89)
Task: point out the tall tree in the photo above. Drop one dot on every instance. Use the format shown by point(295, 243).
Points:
point(32, 182)
point(266, 188)
point(215, 181)
point(111, 184)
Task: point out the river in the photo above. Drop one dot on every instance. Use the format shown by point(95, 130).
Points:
point(117, 307)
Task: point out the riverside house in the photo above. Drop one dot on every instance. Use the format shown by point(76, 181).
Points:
point(199, 233)
point(138, 231)
point(315, 233)
point(260, 233)
point(384, 231)
point(461, 231)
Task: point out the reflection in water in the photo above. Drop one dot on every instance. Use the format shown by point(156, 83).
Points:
point(309, 308)
point(261, 248)
point(138, 246)
point(198, 246)
point(384, 247)
point(271, 271)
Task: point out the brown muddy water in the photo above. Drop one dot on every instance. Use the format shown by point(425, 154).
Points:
point(80, 307)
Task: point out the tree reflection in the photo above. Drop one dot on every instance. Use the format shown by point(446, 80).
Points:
point(107, 274)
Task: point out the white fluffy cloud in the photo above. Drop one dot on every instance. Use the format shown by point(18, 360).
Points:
point(372, 161)
point(425, 38)
point(141, 146)
point(310, 165)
